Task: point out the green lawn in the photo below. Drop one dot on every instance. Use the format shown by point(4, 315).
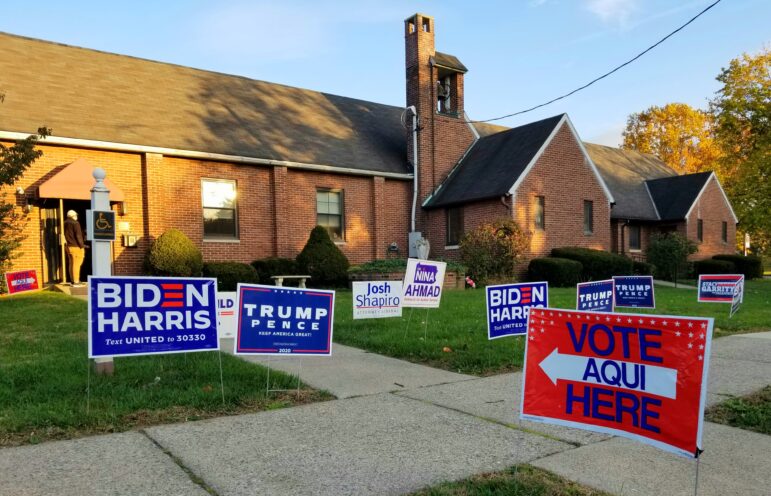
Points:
point(456, 335)
point(522, 480)
point(44, 373)
point(751, 412)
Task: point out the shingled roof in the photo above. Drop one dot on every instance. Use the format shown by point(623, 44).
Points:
point(92, 95)
point(493, 164)
point(449, 62)
point(674, 196)
point(625, 173)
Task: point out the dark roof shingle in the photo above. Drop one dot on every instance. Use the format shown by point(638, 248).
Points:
point(674, 196)
point(449, 61)
point(88, 94)
point(494, 164)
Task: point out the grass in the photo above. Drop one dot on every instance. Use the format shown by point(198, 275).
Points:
point(456, 335)
point(752, 412)
point(44, 375)
point(522, 480)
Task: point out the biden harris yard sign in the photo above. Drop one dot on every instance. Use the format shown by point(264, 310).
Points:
point(377, 299)
point(634, 291)
point(151, 315)
point(508, 306)
point(422, 286)
point(595, 296)
point(637, 376)
point(284, 321)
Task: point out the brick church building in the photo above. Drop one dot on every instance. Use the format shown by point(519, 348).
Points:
point(247, 168)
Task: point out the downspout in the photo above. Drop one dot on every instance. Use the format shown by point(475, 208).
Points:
point(411, 108)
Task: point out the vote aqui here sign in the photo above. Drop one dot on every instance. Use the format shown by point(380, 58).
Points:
point(151, 315)
point(22, 281)
point(508, 306)
point(377, 299)
point(284, 321)
point(637, 376)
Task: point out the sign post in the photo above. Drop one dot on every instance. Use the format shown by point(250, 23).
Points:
point(101, 252)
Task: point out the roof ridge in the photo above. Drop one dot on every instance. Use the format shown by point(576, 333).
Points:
point(186, 67)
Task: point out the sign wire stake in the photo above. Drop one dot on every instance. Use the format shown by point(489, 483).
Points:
point(88, 387)
point(267, 382)
point(696, 482)
point(299, 369)
point(425, 328)
point(222, 381)
point(406, 329)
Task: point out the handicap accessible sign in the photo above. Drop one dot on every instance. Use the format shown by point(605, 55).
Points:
point(151, 315)
point(508, 306)
point(634, 291)
point(284, 321)
point(595, 296)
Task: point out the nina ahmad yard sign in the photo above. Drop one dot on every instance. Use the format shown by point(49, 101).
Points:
point(637, 376)
point(151, 315)
point(422, 287)
point(284, 321)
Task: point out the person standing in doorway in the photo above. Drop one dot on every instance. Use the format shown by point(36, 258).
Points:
point(73, 235)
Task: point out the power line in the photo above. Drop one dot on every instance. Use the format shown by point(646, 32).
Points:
point(662, 40)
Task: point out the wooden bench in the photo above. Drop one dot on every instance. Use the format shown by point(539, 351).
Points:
point(280, 280)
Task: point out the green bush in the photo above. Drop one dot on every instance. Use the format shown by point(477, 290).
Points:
point(558, 272)
point(597, 264)
point(751, 265)
point(643, 268)
point(669, 254)
point(710, 266)
point(229, 274)
point(173, 254)
point(398, 265)
point(274, 266)
point(493, 250)
point(323, 260)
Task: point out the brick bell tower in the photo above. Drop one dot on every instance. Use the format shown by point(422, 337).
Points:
point(435, 89)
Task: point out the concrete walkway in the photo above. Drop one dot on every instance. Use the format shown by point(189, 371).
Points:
point(388, 438)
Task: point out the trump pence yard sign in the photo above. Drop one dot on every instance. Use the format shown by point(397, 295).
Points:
point(284, 321)
point(151, 315)
point(595, 296)
point(634, 291)
point(637, 376)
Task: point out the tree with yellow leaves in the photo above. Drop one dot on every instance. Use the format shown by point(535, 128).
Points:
point(678, 134)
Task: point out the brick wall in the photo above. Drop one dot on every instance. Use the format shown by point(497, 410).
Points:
point(564, 178)
point(713, 210)
point(164, 192)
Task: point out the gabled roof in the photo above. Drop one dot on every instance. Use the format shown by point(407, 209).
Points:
point(494, 164)
point(625, 173)
point(674, 196)
point(449, 62)
point(92, 95)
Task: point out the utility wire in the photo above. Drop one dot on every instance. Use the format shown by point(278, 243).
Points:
point(662, 40)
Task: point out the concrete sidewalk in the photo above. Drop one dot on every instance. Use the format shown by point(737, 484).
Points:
point(439, 426)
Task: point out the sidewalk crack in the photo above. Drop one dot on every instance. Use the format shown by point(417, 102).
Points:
point(195, 478)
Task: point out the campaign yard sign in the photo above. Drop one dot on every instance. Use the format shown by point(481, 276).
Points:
point(284, 321)
point(633, 291)
point(151, 315)
point(738, 297)
point(226, 313)
point(508, 306)
point(422, 286)
point(637, 376)
point(595, 296)
point(377, 299)
point(718, 288)
point(21, 281)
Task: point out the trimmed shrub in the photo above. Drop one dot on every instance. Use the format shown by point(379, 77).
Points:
point(323, 260)
point(751, 265)
point(493, 249)
point(710, 266)
point(173, 254)
point(558, 272)
point(597, 264)
point(274, 266)
point(229, 274)
point(642, 268)
point(669, 254)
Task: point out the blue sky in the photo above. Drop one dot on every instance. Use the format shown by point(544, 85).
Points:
point(519, 53)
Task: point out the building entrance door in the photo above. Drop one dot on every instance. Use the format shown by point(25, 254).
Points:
point(53, 267)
